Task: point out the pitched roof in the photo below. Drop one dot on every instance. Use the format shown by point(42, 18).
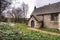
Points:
point(36, 17)
point(51, 8)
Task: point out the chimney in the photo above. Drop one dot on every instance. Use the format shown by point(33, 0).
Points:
point(49, 3)
point(35, 8)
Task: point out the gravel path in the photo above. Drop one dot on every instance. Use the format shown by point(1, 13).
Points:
point(52, 33)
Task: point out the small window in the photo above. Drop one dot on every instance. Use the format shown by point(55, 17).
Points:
point(54, 17)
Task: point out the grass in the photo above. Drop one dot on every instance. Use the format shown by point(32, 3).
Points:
point(50, 30)
point(34, 35)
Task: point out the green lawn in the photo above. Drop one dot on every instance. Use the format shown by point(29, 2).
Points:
point(51, 30)
point(34, 35)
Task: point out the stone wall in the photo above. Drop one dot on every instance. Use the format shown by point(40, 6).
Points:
point(50, 24)
point(47, 22)
point(37, 24)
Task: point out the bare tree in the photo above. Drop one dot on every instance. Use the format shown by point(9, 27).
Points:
point(25, 10)
point(16, 13)
point(3, 5)
point(13, 14)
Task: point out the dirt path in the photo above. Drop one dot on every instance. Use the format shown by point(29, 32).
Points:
point(52, 33)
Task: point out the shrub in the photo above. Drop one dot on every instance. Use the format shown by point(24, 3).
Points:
point(7, 33)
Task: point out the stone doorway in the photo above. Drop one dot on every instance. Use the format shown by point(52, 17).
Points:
point(32, 23)
point(42, 24)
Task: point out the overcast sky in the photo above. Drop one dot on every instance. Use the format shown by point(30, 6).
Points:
point(32, 3)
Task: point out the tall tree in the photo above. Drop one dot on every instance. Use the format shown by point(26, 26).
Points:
point(17, 13)
point(3, 5)
point(25, 10)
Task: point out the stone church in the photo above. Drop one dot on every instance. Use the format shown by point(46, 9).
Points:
point(47, 16)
